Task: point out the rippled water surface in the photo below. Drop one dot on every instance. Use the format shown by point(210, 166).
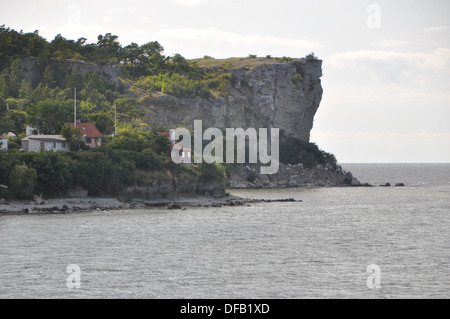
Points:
point(319, 248)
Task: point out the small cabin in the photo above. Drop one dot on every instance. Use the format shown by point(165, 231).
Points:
point(41, 143)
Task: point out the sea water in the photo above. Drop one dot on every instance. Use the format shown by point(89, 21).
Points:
point(323, 247)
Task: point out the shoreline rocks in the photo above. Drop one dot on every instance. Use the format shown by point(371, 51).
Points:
point(292, 176)
point(67, 206)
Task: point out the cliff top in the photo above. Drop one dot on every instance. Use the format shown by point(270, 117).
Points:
point(237, 63)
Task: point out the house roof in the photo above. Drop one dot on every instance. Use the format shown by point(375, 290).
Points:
point(89, 130)
point(45, 138)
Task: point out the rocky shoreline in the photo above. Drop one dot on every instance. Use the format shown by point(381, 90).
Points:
point(247, 176)
point(91, 204)
point(73, 205)
point(289, 176)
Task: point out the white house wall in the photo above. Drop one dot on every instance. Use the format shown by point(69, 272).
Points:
point(35, 146)
point(4, 145)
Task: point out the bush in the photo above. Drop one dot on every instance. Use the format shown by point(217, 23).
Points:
point(5, 193)
point(211, 171)
point(174, 84)
point(312, 57)
point(54, 172)
point(297, 78)
point(151, 160)
point(294, 151)
point(22, 182)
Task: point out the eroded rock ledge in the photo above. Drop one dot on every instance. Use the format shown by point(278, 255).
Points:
point(247, 176)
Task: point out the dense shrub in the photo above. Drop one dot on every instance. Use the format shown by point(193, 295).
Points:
point(22, 182)
point(54, 172)
point(211, 171)
point(181, 86)
point(294, 151)
point(101, 171)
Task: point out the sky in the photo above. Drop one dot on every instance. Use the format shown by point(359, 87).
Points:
point(386, 64)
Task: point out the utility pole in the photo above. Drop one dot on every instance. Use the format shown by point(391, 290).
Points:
point(75, 108)
point(115, 120)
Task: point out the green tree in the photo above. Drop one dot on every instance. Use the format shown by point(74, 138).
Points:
point(127, 109)
point(73, 136)
point(40, 93)
point(54, 172)
point(4, 80)
point(62, 48)
point(6, 123)
point(49, 116)
point(25, 90)
point(19, 118)
point(103, 121)
point(160, 145)
point(15, 77)
point(94, 89)
point(22, 181)
point(109, 48)
point(48, 77)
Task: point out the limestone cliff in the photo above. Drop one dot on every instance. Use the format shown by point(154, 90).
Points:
point(263, 95)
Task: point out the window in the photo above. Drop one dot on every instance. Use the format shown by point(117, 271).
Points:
point(88, 140)
point(54, 145)
point(64, 145)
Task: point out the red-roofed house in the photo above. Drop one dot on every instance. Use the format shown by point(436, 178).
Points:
point(91, 136)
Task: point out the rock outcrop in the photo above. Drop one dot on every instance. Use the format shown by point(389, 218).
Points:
point(247, 176)
point(262, 96)
point(173, 187)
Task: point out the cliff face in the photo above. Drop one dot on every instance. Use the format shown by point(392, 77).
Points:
point(262, 96)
